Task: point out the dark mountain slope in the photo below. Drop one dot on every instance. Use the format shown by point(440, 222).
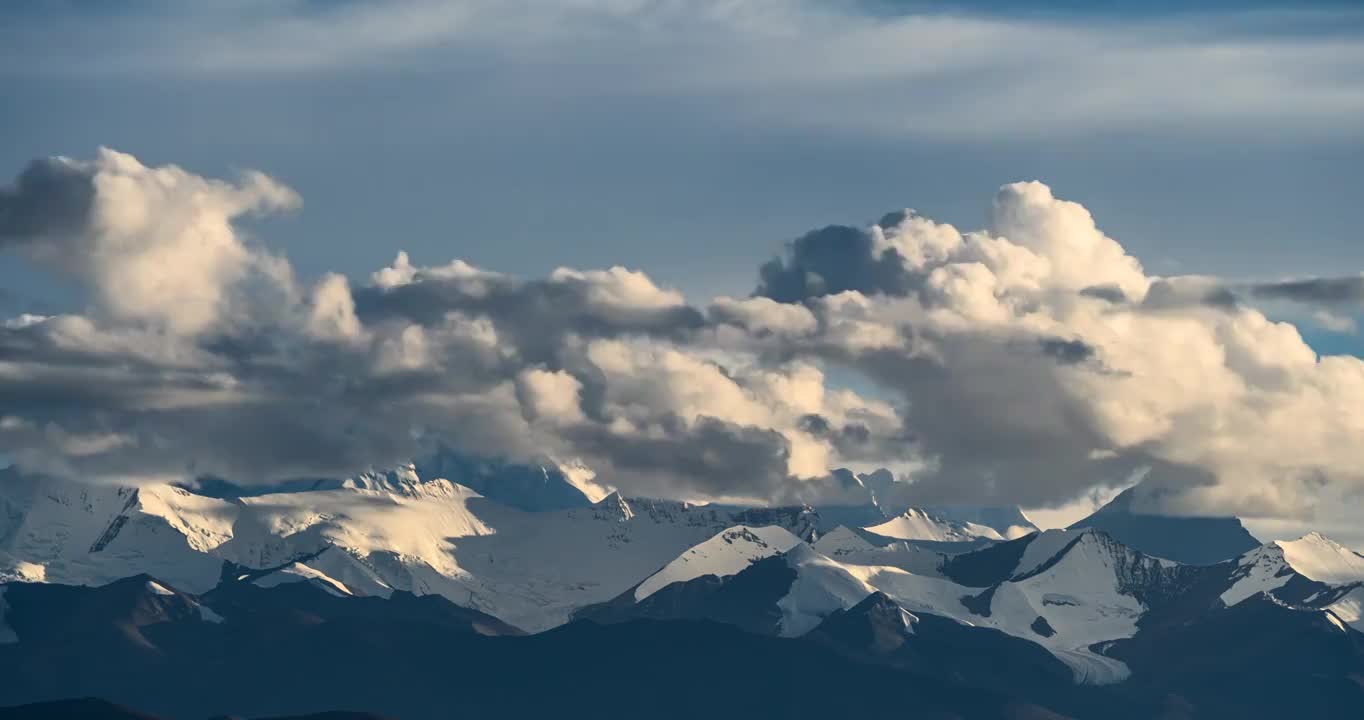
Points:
point(265, 663)
point(1189, 540)
point(1258, 658)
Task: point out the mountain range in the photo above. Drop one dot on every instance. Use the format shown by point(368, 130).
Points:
point(408, 593)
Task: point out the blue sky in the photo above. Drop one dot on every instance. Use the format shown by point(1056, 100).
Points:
point(527, 148)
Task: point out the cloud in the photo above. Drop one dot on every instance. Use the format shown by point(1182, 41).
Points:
point(51, 198)
point(1068, 352)
point(1335, 323)
point(830, 261)
point(219, 364)
point(536, 314)
point(1317, 291)
point(1030, 361)
point(763, 316)
point(1036, 360)
point(154, 245)
point(860, 68)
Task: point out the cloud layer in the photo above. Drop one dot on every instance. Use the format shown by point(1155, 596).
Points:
point(925, 68)
point(1027, 362)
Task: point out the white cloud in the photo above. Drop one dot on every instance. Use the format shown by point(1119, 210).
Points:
point(1335, 323)
point(782, 63)
point(1031, 361)
point(618, 288)
point(154, 245)
point(763, 315)
point(1039, 361)
point(332, 315)
point(551, 396)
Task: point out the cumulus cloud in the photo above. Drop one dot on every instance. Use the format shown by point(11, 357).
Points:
point(154, 245)
point(180, 368)
point(1030, 361)
point(1037, 360)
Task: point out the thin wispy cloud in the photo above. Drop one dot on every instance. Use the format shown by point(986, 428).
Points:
point(776, 63)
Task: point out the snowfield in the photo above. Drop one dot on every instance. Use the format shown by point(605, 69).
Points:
point(1072, 592)
point(726, 554)
point(916, 524)
point(1319, 558)
point(372, 534)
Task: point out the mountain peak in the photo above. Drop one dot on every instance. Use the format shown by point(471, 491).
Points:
point(923, 524)
point(1188, 540)
point(727, 553)
point(1320, 558)
point(614, 507)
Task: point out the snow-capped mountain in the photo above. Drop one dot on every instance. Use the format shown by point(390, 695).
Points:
point(765, 581)
point(1190, 540)
point(956, 525)
point(1066, 591)
point(1312, 573)
point(294, 648)
point(376, 532)
point(883, 502)
point(1078, 594)
point(941, 594)
point(1071, 619)
point(726, 554)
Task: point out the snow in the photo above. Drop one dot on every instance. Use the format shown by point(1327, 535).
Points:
point(158, 588)
point(1044, 547)
point(821, 587)
point(1009, 522)
point(383, 532)
point(907, 620)
point(352, 572)
point(728, 553)
point(842, 541)
point(847, 547)
point(21, 571)
point(376, 533)
point(582, 478)
point(370, 514)
point(1078, 596)
point(1313, 556)
point(1260, 570)
point(207, 615)
point(90, 534)
point(1090, 668)
point(1319, 558)
point(1349, 609)
point(917, 593)
point(916, 524)
point(298, 572)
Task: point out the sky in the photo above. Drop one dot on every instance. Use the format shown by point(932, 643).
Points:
point(690, 143)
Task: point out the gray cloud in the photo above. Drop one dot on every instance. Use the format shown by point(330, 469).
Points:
point(709, 456)
point(1067, 352)
point(1316, 291)
point(537, 314)
point(1107, 293)
point(813, 72)
point(831, 260)
point(51, 197)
